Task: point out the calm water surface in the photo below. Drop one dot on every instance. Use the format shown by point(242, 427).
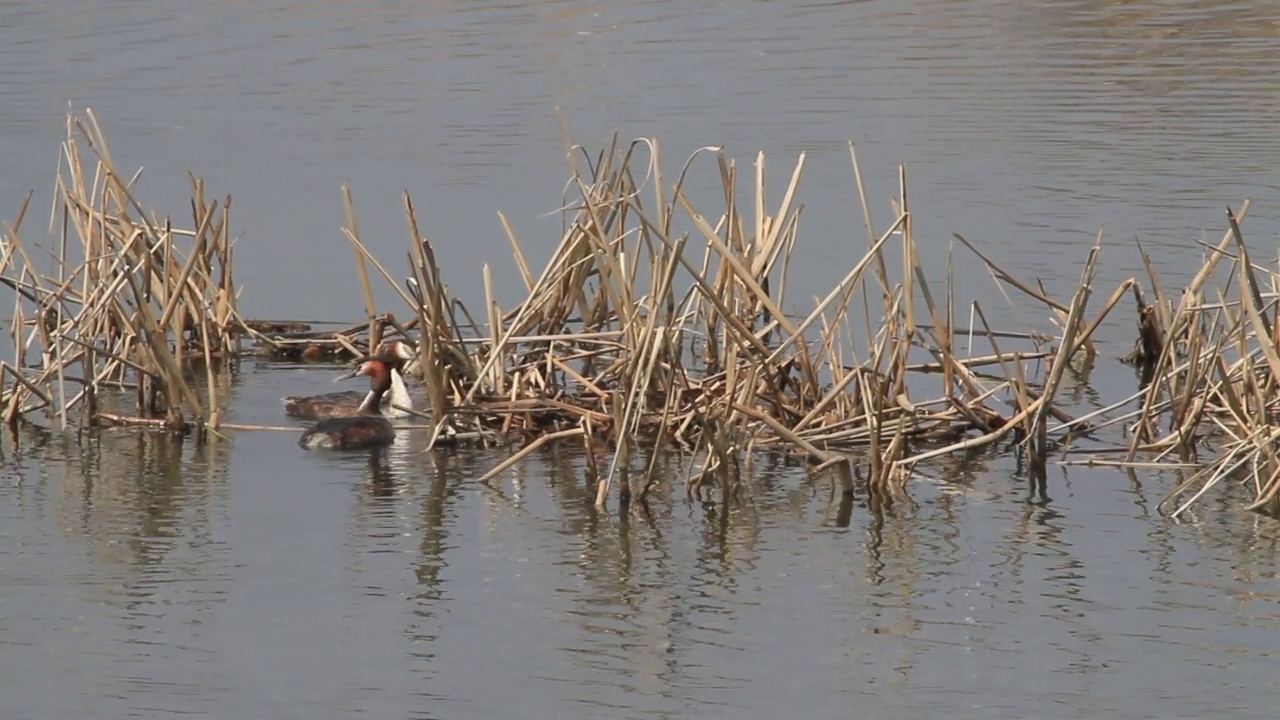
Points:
point(249, 579)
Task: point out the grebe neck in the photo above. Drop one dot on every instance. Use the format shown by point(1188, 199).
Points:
point(380, 382)
point(398, 395)
point(372, 402)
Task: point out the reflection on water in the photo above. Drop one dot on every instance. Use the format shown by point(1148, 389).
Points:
point(247, 577)
point(112, 560)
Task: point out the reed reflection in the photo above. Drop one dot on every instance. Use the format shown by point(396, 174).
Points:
point(138, 495)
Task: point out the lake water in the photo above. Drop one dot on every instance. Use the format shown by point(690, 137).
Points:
point(246, 578)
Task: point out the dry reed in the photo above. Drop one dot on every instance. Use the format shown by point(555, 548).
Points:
point(658, 326)
point(127, 300)
point(636, 336)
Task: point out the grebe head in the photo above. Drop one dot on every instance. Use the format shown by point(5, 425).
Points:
point(404, 356)
point(377, 369)
point(393, 355)
point(397, 349)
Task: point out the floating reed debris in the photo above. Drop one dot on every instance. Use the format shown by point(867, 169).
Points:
point(659, 325)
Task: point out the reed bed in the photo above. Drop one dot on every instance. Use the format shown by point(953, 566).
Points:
point(661, 328)
point(127, 301)
point(124, 301)
point(637, 339)
point(1210, 361)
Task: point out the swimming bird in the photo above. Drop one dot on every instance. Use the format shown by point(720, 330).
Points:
point(368, 428)
point(347, 403)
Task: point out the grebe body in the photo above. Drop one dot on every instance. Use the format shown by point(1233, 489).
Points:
point(349, 433)
point(347, 403)
point(368, 428)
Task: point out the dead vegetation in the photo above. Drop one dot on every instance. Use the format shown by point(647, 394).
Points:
point(658, 327)
point(128, 302)
point(124, 302)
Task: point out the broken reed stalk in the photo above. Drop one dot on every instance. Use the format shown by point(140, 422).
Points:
point(706, 358)
point(127, 296)
point(662, 322)
point(700, 352)
point(1213, 383)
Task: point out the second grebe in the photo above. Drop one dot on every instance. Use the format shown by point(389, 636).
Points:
point(347, 403)
point(367, 429)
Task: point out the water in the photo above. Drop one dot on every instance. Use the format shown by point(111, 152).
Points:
point(253, 580)
point(250, 579)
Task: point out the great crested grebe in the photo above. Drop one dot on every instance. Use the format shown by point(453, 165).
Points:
point(368, 428)
point(347, 403)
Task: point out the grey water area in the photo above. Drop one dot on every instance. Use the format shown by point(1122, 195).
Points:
point(246, 578)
